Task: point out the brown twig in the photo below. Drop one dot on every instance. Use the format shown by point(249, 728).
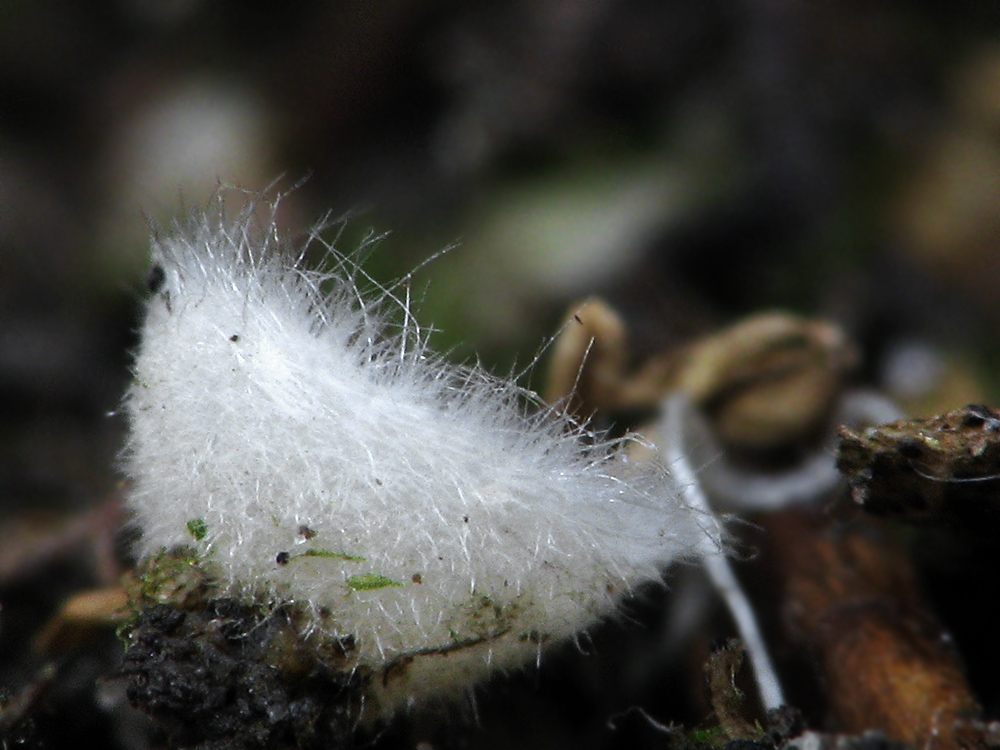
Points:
point(851, 599)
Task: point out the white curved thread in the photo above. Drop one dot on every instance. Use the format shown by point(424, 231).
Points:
point(741, 489)
point(676, 412)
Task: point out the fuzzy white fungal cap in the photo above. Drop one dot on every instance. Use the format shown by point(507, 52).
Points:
point(314, 451)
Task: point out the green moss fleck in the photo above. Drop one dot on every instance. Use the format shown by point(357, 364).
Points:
point(370, 582)
point(198, 528)
point(711, 737)
point(335, 555)
point(169, 577)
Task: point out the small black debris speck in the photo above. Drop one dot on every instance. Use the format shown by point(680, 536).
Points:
point(783, 723)
point(979, 415)
point(282, 558)
point(155, 279)
point(234, 338)
point(910, 448)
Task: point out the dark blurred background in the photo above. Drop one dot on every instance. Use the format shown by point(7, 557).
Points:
point(689, 161)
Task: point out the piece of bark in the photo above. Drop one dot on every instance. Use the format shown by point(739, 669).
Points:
point(942, 469)
point(851, 598)
point(728, 701)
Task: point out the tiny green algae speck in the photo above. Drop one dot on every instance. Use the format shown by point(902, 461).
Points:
point(335, 555)
point(370, 582)
point(198, 528)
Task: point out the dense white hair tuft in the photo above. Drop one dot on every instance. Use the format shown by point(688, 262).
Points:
point(304, 440)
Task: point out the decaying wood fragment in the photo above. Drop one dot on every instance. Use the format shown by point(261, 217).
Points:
point(727, 699)
point(852, 600)
point(943, 469)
